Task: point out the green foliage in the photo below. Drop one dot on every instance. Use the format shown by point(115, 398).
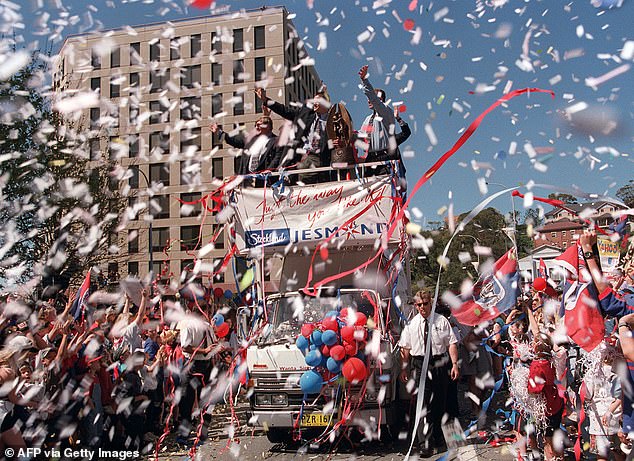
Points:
point(626, 193)
point(566, 198)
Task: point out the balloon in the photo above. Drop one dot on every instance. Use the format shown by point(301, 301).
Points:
point(334, 366)
point(402, 108)
point(218, 319)
point(539, 284)
point(218, 292)
point(307, 329)
point(330, 323)
point(313, 358)
point(343, 314)
point(202, 4)
point(310, 382)
point(325, 351)
point(360, 334)
point(337, 352)
point(222, 330)
point(351, 348)
point(329, 337)
point(408, 24)
point(347, 333)
point(315, 338)
point(302, 344)
point(362, 319)
point(354, 370)
point(323, 253)
point(228, 294)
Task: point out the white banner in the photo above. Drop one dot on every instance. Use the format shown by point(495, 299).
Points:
point(310, 214)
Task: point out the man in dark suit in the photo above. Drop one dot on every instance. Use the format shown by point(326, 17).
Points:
point(260, 151)
point(309, 143)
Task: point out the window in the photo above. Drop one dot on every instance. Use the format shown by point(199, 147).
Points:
point(133, 268)
point(220, 239)
point(134, 113)
point(191, 210)
point(260, 68)
point(95, 60)
point(159, 114)
point(238, 71)
point(216, 140)
point(190, 172)
point(135, 53)
point(95, 149)
point(175, 49)
point(115, 90)
point(159, 172)
point(216, 43)
point(187, 268)
point(267, 270)
point(115, 148)
point(132, 212)
point(134, 80)
point(216, 104)
point(216, 73)
point(133, 243)
point(160, 238)
point(113, 272)
point(95, 84)
point(133, 150)
point(238, 105)
point(159, 140)
point(191, 138)
point(95, 113)
point(220, 277)
point(258, 106)
point(217, 170)
point(190, 76)
point(238, 40)
point(259, 39)
point(159, 79)
point(160, 206)
point(563, 233)
point(160, 268)
point(189, 237)
point(194, 45)
point(553, 234)
point(133, 181)
point(155, 51)
point(115, 57)
point(190, 109)
point(565, 244)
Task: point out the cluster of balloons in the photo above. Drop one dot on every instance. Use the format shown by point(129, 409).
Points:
point(221, 328)
point(219, 293)
point(334, 346)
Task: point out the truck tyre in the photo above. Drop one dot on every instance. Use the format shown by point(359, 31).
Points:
point(278, 435)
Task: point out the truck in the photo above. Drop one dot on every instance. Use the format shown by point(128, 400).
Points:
point(333, 241)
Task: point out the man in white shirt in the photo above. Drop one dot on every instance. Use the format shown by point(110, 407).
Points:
point(433, 330)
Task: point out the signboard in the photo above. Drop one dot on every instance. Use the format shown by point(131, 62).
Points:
point(609, 253)
point(353, 212)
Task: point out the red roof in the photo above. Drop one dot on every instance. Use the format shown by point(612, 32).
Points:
point(560, 225)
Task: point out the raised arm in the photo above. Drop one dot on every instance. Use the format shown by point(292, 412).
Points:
point(287, 112)
point(379, 106)
point(141, 312)
point(405, 130)
point(236, 141)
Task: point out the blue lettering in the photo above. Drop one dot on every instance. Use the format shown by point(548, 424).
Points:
point(365, 230)
point(330, 231)
point(306, 234)
point(317, 233)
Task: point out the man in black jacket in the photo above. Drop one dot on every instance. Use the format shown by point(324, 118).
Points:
point(260, 149)
point(309, 144)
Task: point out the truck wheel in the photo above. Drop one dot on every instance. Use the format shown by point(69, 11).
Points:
point(278, 435)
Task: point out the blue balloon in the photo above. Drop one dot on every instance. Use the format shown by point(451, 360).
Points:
point(302, 344)
point(331, 314)
point(310, 382)
point(313, 358)
point(315, 338)
point(218, 319)
point(228, 294)
point(334, 366)
point(329, 337)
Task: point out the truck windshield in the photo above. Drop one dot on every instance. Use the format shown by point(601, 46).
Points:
point(290, 312)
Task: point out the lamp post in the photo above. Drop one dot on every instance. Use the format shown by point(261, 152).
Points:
point(514, 230)
point(147, 182)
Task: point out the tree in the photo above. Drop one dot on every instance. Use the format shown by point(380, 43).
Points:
point(60, 207)
point(626, 193)
point(566, 198)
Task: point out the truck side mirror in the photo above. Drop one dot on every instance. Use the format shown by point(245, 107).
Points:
point(242, 319)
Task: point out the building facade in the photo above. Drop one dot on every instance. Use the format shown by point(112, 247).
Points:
point(159, 86)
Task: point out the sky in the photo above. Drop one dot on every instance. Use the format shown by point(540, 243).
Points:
point(456, 59)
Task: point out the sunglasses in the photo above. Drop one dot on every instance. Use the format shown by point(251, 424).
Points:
point(427, 303)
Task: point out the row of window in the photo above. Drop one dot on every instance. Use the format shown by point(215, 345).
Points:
point(176, 47)
point(189, 239)
point(158, 267)
point(160, 172)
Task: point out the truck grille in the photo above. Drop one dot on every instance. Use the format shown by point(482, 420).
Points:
point(277, 381)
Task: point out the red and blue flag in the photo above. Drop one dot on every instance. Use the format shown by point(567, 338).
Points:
point(79, 305)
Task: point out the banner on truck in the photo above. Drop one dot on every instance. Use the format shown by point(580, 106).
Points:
point(609, 253)
point(308, 215)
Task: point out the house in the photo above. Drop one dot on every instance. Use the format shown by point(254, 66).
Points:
point(529, 265)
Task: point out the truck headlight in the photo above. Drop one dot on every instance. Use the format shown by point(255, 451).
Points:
point(279, 399)
point(262, 400)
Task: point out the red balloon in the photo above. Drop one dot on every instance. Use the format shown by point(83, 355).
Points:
point(343, 313)
point(307, 329)
point(362, 319)
point(354, 370)
point(360, 334)
point(337, 352)
point(219, 292)
point(330, 323)
point(202, 4)
point(347, 333)
point(402, 108)
point(351, 348)
point(408, 24)
point(222, 330)
point(539, 284)
point(325, 351)
point(323, 253)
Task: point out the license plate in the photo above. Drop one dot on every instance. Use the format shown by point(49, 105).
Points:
point(316, 420)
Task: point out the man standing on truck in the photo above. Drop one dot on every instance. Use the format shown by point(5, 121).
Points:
point(433, 330)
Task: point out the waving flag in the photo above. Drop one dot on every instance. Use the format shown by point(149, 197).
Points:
point(542, 272)
point(77, 309)
point(580, 305)
point(493, 293)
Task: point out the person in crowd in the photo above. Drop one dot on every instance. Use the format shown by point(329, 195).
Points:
point(128, 327)
point(308, 147)
point(434, 331)
point(260, 150)
point(131, 401)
